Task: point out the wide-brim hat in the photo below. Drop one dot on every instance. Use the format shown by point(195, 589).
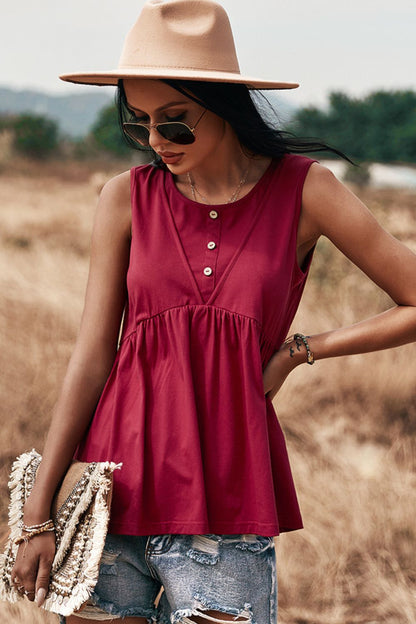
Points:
point(179, 39)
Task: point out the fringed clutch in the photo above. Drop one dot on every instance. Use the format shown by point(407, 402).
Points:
point(81, 511)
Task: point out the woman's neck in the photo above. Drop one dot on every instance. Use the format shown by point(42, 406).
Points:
point(228, 175)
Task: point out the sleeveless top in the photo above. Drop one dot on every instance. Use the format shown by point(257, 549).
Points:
point(212, 291)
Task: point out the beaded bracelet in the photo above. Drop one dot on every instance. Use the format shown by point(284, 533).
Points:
point(35, 527)
point(29, 535)
point(300, 338)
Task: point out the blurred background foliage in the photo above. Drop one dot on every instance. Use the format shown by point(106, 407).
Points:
point(35, 136)
point(380, 127)
point(107, 133)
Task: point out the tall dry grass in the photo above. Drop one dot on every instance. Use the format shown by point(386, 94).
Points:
point(349, 422)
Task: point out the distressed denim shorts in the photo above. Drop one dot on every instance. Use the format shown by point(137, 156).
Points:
point(170, 578)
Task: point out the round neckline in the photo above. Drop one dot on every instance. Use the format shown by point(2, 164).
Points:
point(273, 163)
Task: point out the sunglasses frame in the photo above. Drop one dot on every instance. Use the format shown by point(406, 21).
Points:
point(156, 126)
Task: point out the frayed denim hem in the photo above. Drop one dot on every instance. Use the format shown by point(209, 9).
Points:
point(108, 607)
point(201, 604)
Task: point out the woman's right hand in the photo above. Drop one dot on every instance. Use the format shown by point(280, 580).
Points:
point(31, 572)
point(84, 381)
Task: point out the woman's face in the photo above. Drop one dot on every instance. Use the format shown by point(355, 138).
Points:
point(153, 101)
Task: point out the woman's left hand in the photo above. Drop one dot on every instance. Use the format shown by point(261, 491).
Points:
point(279, 366)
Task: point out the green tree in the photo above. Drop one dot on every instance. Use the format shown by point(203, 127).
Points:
point(347, 121)
point(380, 127)
point(392, 131)
point(35, 136)
point(313, 121)
point(404, 140)
point(4, 122)
point(107, 133)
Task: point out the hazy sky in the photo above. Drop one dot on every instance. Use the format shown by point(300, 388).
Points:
point(355, 46)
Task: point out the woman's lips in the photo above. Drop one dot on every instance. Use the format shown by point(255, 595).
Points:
point(170, 158)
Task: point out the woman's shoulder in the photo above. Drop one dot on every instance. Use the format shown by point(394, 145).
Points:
point(317, 178)
point(117, 186)
point(148, 174)
point(320, 192)
point(114, 205)
point(291, 170)
point(121, 183)
point(297, 162)
point(320, 182)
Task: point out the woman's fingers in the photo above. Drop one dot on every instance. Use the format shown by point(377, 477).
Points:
point(24, 571)
point(31, 572)
point(16, 580)
point(44, 568)
point(42, 580)
point(40, 596)
point(29, 593)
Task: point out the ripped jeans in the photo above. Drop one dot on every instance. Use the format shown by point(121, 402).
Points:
point(233, 574)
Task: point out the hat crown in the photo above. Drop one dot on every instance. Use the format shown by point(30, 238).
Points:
point(180, 40)
point(181, 34)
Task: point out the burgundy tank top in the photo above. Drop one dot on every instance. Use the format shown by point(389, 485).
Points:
point(212, 291)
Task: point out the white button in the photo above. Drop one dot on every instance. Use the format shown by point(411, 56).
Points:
point(208, 271)
point(211, 245)
point(213, 214)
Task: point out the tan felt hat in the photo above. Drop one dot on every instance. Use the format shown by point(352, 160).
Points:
point(182, 39)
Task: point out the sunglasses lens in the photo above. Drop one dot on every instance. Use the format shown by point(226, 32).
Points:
point(137, 133)
point(176, 132)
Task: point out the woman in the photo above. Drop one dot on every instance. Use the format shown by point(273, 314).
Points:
point(206, 254)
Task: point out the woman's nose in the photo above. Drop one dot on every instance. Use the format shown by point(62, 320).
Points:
point(155, 139)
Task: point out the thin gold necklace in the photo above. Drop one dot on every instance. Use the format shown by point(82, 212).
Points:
point(233, 197)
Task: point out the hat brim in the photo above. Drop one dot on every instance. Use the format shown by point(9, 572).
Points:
point(102, 78)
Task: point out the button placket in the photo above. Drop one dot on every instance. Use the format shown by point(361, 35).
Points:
point(211, 248)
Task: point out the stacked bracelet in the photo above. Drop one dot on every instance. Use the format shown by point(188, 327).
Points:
point(34, 529)
point(48, 524)
point(301, 339)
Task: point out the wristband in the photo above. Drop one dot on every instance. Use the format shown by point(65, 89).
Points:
point(301, 339)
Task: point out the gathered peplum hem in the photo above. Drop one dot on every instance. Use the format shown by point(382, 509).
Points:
point(189, 426)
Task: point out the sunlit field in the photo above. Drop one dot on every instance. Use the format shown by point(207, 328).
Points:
point(350, 423)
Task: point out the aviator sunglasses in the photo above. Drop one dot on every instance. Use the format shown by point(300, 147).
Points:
point(173, 131)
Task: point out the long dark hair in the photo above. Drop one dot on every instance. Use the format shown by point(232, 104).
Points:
point(240, 107)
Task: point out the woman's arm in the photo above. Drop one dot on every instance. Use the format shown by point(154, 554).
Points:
point(87, 371)
point(96, 345)
point(330, 209)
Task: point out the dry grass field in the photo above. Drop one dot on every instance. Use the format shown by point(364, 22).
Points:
point(350, 423)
